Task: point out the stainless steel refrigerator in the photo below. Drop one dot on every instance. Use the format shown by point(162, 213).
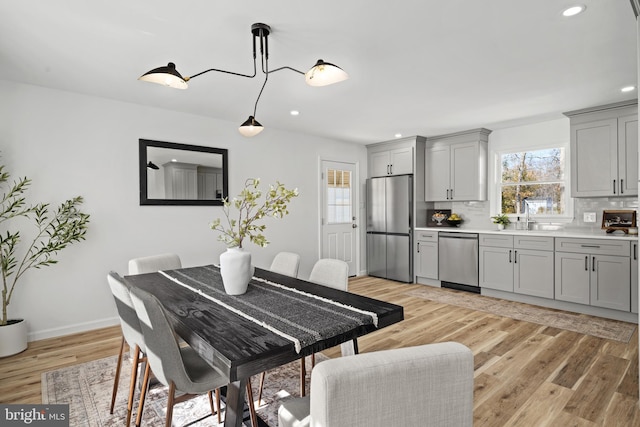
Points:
point(390, 227)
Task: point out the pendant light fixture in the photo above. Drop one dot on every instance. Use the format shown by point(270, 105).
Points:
point(321, 74)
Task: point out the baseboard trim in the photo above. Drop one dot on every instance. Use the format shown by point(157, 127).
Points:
point(72, 329)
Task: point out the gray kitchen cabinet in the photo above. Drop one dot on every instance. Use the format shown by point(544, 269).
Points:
point(456, 166)
point(395, 161)
point(634, 277)
point(595, 272)
point(604, 150)
point(427, 254)
point(519, 264)
point(533, 273)
point(496, 268)
point(572, 277)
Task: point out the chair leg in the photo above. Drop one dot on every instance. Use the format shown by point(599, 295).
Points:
point(170, 403)
point(143, 394)
point(132, 383)
point(262, 375)
point(116, 378)
point(210, 396)
point(252, 408)
point(218, 404)
point(303, 374)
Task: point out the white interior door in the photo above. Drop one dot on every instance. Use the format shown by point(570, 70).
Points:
point(339, 213)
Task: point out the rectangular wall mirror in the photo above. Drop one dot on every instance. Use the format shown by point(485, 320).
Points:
point(182, 174)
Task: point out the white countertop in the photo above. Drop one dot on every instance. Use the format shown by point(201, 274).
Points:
point(586, 234)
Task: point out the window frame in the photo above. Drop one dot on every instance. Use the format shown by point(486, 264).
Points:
point(495, 183)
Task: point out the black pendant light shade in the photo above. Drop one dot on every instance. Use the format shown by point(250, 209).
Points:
point(251, 127)
point(166, 76)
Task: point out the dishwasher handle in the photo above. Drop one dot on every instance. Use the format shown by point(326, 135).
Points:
point(449, 235)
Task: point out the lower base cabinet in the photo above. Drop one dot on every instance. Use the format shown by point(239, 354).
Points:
point(592, 275)
point(426, 261)
point(507, 265)
point(533, 273)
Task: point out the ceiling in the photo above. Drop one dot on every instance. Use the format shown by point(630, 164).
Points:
point(417, 67)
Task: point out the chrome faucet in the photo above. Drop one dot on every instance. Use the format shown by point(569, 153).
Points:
point(527, 211)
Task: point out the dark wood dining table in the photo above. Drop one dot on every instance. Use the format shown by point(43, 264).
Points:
point(239, 347)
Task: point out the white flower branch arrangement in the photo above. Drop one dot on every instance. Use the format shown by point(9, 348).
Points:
point(242, 224)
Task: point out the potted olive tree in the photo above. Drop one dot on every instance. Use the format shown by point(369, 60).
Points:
point(54, 231)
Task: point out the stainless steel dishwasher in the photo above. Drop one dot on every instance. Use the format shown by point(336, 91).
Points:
point(458, 259)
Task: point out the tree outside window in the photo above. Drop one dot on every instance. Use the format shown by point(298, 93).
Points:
point(533, 180)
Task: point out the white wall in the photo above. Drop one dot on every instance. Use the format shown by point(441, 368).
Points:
point(71, 144)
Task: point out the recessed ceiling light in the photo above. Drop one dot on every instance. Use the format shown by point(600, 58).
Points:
point(294, 112)
point(398, 135)
point(174, 160)
point(574, 10)
point(628, 89)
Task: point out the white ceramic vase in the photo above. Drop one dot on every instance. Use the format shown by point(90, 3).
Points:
point(500, 227)
point(13, 337)
point(236, 270)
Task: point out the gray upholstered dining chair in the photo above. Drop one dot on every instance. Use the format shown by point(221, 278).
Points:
point(131, 333)
point(429, 385)
point(286, 263)
point(178, 367)
point(330, 272)
point(333, 273)
point(150, 264)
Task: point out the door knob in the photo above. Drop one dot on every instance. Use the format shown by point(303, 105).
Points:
point(354, 225)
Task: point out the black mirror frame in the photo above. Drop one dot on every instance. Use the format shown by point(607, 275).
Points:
point(144, 143)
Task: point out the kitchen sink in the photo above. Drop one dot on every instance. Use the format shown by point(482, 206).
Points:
point(546, 226)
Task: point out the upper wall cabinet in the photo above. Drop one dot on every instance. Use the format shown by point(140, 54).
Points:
point(456, 166)
point(604, 150)
point(392, 158)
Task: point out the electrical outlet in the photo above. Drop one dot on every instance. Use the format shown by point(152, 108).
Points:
point(589, 217)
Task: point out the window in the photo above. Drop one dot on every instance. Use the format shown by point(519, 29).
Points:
point(338, 196)
point(533, 180)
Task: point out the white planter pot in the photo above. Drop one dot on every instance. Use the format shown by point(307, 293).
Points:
point(500, 227)
point(236, 270)
point(13, 337)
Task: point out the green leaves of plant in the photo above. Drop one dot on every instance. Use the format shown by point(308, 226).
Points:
point(55, 231)
point(249, 211)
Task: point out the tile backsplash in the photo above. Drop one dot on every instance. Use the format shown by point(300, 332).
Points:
point(476, 214)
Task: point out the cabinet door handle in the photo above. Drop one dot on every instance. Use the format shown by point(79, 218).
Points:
point(509, 255)
point(388, 170)
point(590, 246)
point(622, 186)
point(391, 169)
point(586, 263)
point(635, 252)
point(614, 186)
point(447, 194)
point(593, 264)
point(418, 247)
point(515, 257)
point(451, 190)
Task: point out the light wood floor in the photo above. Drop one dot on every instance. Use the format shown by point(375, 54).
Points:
point(525, 374)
